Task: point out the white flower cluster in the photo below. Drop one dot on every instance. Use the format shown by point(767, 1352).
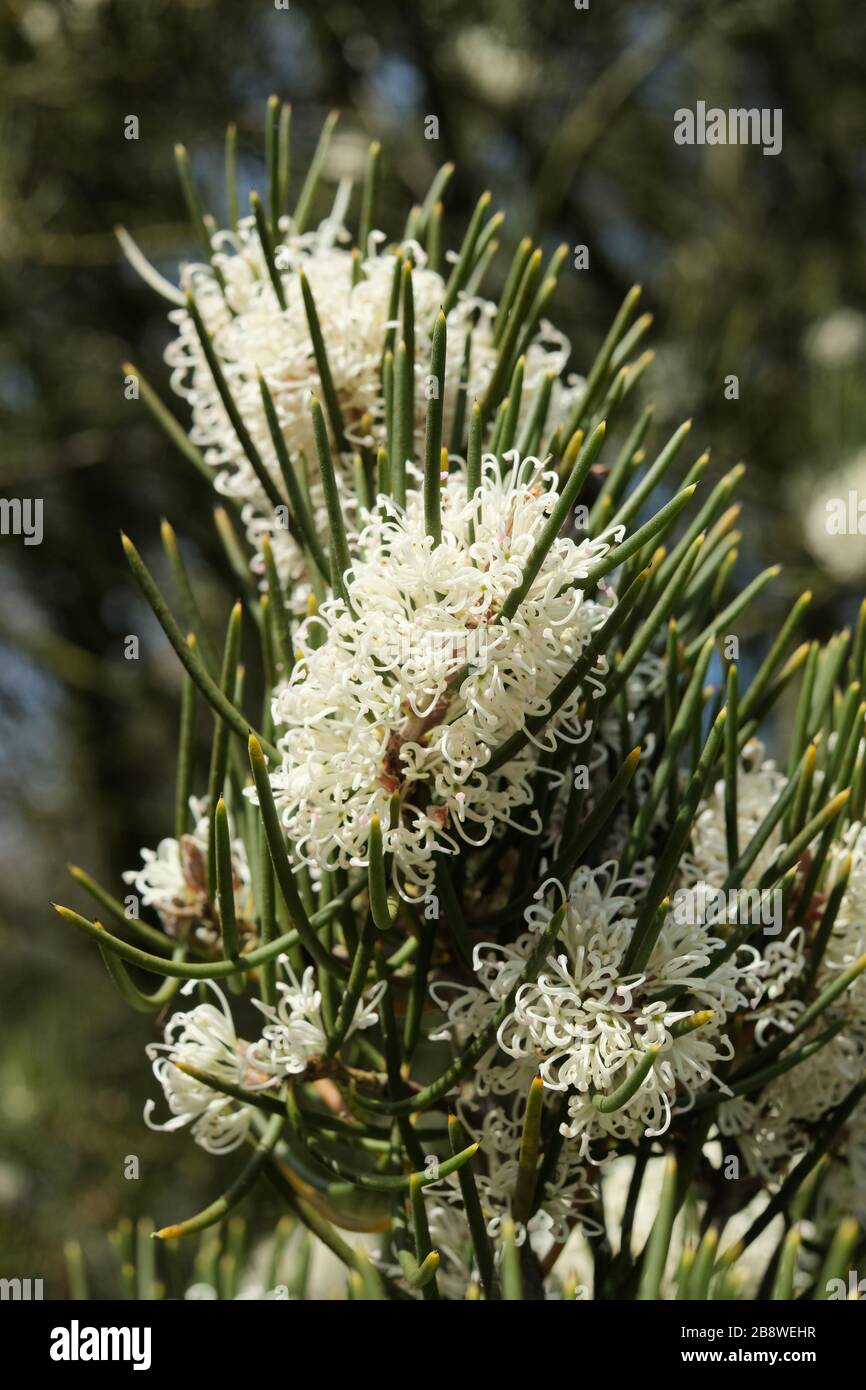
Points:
point(173, 881)
point(584, 1026)
point(771, 1127)
point(406, 693)
point(770, 1131)
point(252, 333)
point(294, 1033)
point(204, 1037)
point(498, 1128)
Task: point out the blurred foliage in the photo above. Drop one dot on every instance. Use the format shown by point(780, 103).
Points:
point(567, 116)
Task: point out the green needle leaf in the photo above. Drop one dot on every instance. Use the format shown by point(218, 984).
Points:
point(143, 268)
point(300, 511)
point(285, 160)
point(267, 245)
point(329, 391)
point(635, 500)
point(656, 1253)
point(599, 370)
point(423, 1246)
point(170, 427)
point(267, 1103)
point(512, 1278)
point(839, 1257)
point(783, 1284)
point(379, 905)
point(215, 697)
point(220, 744)
point(509, 347)
point(474, 1215)
point(185, 755)
point(552, 527)
point(235, 1194)
point(702, 1269)
point(607, 1104)
point(792, 853)
point(282, 867)
point(466, 257)
point(656, 527)
point(314, 174)
point(722, 622)
point(341, 559)
point(231, 173)
point(433, 435)
point(416, 1275)
point(272, 164)
point(353, 990)
point(191, 198)
point(370, 196)
point(530, 1148)
point(265, 480)
point(131, 994)
point(225, 883)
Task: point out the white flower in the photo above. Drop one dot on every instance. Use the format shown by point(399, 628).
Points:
point(205, 1038)
point(173, 881)
point(783, 964)
point(771, 1128)
point(585, 1026)
point(252, 333)
point(409, 692)
point(294, 1033)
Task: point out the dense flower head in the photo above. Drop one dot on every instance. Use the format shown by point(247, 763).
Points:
point(204, 1037)
point(772, 1128)
point(565, 1202)
point(584, 1024)
point(405, 692)
point(644, 968)
point(252, 333)
point(294, 1032)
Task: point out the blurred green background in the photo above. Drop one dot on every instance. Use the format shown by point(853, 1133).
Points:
point(752, 265)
